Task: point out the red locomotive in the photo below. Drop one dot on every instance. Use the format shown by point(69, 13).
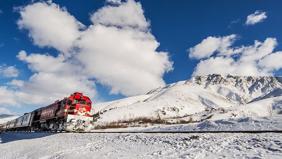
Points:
point(70, 114)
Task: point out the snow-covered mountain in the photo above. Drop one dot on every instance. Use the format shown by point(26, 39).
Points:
point(212, 97)
point(6, 117)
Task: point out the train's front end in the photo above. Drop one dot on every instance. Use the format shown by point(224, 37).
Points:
point(77, 111)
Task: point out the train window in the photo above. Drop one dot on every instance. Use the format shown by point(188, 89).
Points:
point(82, 102)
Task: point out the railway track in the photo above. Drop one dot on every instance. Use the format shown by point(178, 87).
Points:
point(184, 132)
point(159, 132)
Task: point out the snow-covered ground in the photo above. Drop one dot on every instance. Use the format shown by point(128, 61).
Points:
point(127, 146)
point(241, 124)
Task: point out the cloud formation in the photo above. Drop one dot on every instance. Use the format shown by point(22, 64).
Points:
point(9, 71)
point(256, 59)
point(211, 45)
point(120, 52)
point(114, 1)
point(5, 111)
point(129, 14)
point(53, 78)
point(49, 25)
point(255, 18)
point(116, 50)
point(7, 97)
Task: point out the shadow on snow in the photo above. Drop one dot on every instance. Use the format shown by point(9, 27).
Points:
point(6, 137)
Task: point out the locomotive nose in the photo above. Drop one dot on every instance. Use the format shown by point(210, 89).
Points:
point(83, 109)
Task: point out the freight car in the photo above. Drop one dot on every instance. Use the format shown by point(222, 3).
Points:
point(70, 114)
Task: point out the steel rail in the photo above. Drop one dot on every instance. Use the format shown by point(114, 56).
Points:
point(155, 132)
point(181, 132)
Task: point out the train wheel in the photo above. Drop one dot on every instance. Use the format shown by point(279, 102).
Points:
point(53, 126)
point(61, 125)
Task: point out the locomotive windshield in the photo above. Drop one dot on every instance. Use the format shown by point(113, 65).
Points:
point(79, 102)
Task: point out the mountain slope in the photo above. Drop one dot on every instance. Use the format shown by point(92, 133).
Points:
point(211, 97)
point(6, 117)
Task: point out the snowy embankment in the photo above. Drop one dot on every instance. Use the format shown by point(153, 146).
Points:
point(99, 145)
point(212, 102)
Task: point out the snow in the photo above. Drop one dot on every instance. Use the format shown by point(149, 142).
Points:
point(7, 118)
point(202, 98)
point(240, 124)
point(204, 103)
point(125, 146)
point(211, 99)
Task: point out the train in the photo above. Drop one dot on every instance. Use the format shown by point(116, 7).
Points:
point(69, 114)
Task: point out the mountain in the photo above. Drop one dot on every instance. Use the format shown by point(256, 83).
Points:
point(6, 117)
point(200, 99)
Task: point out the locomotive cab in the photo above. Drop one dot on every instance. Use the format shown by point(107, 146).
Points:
point(77, 104)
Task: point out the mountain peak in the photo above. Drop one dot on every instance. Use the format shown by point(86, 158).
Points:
point(245, 88)
point(218, 79)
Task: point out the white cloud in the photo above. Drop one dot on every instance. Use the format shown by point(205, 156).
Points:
point(5, 111)
point(117, 51)
point(16, 83)
point(256, 60)
point(256, 17)
point(210, 45)
point(128, 14)
point(124, 59)
point(218, 65)
point(49, 25)
point(7, 96)
point(120, 52)
point(258, 50)
point(272, 61)
point(9, 71)
point(54, 77)
point(45, 63)
point(114, 1)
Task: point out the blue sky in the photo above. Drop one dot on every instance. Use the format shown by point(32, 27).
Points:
point(178, 27)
